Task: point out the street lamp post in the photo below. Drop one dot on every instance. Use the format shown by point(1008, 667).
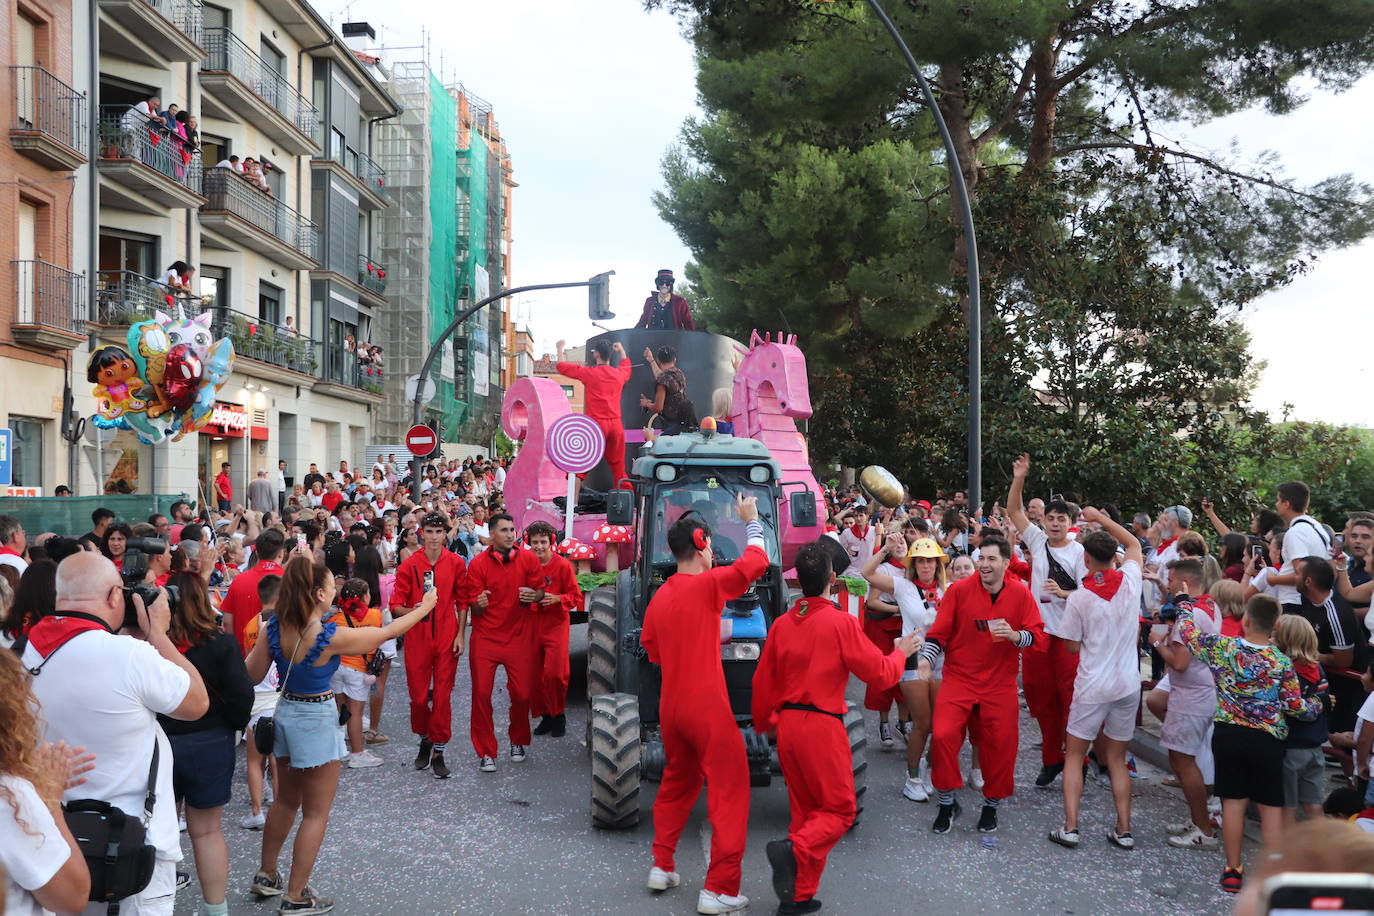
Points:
point(597, 282)
point(975, 314)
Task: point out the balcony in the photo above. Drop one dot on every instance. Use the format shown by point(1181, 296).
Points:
point(269, 343)
point(49, 119)
point(241, 86)
point(360, 172)
point(152, 32)
point(372, 278)
point(50, 306)
point(123, 297)
point(143, 167)
point(343, 374)
point(243, 215)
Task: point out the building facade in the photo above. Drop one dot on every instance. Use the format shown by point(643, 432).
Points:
point(183, 95)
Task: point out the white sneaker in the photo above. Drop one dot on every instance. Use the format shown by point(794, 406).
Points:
point(915, 790)
point(925, 776)
point(363, 759)
point(976, 777)
point(486, 764)
point(1195, 839)
point(710, 903)
point(660, 880)
point(181, 822)
point(1178, 829)
point(254, 821)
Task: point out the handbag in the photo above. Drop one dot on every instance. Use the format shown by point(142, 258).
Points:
point(114, 844)
point(265, 729)
point(372, 663)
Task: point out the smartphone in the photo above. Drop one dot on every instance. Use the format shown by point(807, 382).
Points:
point(1056, 497)
point(981, 625)
point(1257, 550)
point(429, 580)
point(1299, 893)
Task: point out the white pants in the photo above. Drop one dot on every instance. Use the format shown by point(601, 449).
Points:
point(157, 899)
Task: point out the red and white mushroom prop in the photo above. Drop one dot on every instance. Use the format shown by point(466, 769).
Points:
point(612, 536)
point(579, 553)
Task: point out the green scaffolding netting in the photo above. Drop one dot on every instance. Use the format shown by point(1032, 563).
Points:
point(443, 283)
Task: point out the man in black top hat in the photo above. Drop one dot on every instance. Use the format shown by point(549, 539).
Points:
point(665, 311)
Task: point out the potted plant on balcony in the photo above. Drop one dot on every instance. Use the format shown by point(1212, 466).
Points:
point(112, 139)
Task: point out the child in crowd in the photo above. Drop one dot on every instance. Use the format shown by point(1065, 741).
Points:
point(264, 704)
point(1256, 689)
point(352, 684)
point(1304, 765)
point(1230, 599)
point(1347, 804)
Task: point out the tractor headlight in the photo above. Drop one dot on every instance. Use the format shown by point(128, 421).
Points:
point(740, 652)
point(760, 473)
point(665, 473)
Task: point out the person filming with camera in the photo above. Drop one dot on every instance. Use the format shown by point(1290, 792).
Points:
point(103, 688)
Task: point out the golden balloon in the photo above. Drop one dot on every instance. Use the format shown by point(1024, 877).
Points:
point(879, 484)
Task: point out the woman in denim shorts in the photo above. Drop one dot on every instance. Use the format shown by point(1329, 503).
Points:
point(309, 742)
point(203, 750)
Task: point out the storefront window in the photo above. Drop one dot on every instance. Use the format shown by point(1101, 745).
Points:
point(27, 458)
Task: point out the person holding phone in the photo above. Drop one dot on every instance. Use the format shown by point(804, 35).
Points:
point(981, 627)
point(702, 742)
point(432, 650)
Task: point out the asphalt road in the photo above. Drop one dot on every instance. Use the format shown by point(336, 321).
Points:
point(520, 841)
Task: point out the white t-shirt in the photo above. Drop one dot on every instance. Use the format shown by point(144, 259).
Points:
point(917, 614)
point(1365, 719)
point(29, 858)
point(1070, 556)
point(1260, 581)
point(1108, 631)
point(104, 692)
point(1193, 691)
point(1305, 538)
point(19, 563)
point(500, 477)
point(860, 548)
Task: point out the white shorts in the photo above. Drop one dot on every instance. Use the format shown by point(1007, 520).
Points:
point(1114, 718)
point(937, 670)
point(1185, 733)
point(355, 685)
point(1163, 683)
point(388, 649)
point(264, 704)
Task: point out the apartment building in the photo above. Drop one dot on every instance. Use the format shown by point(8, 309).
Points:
point(44, 205)
point(269, 190)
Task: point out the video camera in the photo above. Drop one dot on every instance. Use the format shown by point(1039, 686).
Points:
point(1168, 611)
point(135, 570)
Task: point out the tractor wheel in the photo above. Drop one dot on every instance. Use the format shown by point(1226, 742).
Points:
point(615, 761)
point(858, 755)
point(602, 642)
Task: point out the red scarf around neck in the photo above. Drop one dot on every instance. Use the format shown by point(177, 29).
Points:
point(1164, 544)
point(7, 552)
point(1103, 584)
point(355, 608)
point(50, 633)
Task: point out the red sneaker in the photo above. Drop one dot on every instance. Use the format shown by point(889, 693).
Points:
point(1231, 879)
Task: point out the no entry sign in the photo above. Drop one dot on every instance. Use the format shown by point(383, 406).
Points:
point(421, 440)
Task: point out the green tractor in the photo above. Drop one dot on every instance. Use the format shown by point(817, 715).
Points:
point(702, 473)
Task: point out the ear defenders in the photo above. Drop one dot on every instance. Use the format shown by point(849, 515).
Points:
point(699, 538)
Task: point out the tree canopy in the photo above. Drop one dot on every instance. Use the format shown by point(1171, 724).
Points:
point(814, 195)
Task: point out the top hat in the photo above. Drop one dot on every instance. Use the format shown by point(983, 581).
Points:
point(662, 276)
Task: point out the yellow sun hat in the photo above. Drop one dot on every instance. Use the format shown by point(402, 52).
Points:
point(927, 548)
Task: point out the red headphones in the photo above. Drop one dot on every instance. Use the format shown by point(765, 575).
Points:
point(699, 538)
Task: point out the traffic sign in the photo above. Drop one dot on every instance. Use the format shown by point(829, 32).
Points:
point(421, 440)
point(6, 462)
point(413, 383)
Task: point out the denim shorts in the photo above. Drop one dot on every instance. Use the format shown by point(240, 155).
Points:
point(308, 733)
point(203, 767)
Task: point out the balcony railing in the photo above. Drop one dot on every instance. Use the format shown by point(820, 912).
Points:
point(45, 104)
point(230, 192)
point(186, 15)
point(366, 169)
point(228, 54)
point(126, 133)
point(125, 297)
point(50, 296)
point(269, 343)
point(371, 275)
point(341, 366)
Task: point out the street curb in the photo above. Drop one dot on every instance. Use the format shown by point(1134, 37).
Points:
point(1147, 747)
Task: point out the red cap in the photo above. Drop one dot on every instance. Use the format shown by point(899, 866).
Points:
point(922, 504)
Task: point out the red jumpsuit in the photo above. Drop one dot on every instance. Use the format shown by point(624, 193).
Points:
point(702, 742)
point(807, 660)
point(431, 666)
point(502, 635)
point(979, 684)
point(602, 386)
point(551, 627)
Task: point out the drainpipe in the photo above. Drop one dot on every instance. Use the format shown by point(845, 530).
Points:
point(93, 219)
point(300, 75)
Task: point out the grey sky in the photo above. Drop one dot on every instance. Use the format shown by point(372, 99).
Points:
point(590, 95)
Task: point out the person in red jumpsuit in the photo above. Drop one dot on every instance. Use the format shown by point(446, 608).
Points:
point(799, 693)
point(505, 584)
point(602, 385)
point(700, 738)
point(982, 624)
point(561, 595)
point(433, 647)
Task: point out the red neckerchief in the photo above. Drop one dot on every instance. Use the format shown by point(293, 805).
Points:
point(894, 561)
point(1103, 584)
point(1164, 544)
point(7, 552)
point(861, 535)
point(355, 608)
point(50, 633)
point(808, 605)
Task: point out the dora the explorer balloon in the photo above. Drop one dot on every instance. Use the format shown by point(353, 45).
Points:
point(115, 377)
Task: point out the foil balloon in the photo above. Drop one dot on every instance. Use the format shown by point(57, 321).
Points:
point(879, 483)
point(164, 384)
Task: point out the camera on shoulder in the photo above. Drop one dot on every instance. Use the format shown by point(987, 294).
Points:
point(1169, 610)
point(135, 570)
